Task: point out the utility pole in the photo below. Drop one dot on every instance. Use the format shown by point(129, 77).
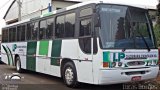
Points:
point(19, 9)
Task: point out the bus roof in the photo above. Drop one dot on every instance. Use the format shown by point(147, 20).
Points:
point(24, 21)
point(145, 4)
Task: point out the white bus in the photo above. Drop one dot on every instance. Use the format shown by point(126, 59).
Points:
point(97, 42)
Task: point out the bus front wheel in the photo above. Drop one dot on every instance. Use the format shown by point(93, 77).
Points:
point(70, 75)
point(18, 65)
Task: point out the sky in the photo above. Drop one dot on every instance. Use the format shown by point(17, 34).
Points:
point(4, 4)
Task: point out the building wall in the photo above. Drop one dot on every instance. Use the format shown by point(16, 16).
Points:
point(34, 8)
point(13, 13)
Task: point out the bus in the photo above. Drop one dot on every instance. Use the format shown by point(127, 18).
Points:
point(96, 42)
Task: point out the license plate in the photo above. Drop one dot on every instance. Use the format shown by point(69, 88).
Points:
point(136, 78)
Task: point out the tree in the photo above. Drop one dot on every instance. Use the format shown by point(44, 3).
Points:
point(157, 26)
point(158, 14)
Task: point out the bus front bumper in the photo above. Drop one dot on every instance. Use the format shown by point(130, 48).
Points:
point(115, 76)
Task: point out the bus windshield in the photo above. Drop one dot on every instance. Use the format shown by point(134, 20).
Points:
point(124, 27)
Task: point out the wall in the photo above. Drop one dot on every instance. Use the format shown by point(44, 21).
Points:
point(34, 8)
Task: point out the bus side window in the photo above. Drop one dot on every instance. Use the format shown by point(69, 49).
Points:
point(85, 12)
point(23, 32)
point(29, 31)
point(85, 27)
point(34, 29)
point(18, 33)
point(42, 30)
point(5, 35)
point(70, 25)
point(85, 35)
point(59, 32)
point(49, 31)
point(12, 34)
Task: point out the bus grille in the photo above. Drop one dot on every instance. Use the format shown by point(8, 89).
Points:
point(136, 63)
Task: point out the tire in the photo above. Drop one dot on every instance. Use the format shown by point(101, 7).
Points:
point(18, 65)
point(70, 75)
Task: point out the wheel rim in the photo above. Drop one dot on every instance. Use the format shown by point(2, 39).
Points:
point(18, 65)
point(69, 76)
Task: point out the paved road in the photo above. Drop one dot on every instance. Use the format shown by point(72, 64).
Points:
point(36, 81)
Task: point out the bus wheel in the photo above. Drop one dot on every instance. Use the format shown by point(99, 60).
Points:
point(18, 65)
point(70, 75)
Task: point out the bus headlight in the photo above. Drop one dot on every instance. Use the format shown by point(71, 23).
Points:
point(113, 64)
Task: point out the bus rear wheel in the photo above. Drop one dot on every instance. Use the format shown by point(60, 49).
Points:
point(70, 75)
point(18, 65)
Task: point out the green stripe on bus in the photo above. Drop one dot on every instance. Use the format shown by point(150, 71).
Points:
point(31, 59)
point(11, 57)
point(56, 51)
point(106, 56)
point(43, 47)
point(7, 54)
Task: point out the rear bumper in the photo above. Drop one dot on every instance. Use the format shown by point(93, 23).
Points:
point(121, 75)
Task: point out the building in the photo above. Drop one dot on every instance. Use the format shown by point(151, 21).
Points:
point(34, 8)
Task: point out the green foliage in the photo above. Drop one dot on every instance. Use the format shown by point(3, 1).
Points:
point(157, 33)
point(157, 26)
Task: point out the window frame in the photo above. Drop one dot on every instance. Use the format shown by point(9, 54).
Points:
point(42, 31)
point(64, 14)
point(5, 29)
point(25, 24)
point(32, 29)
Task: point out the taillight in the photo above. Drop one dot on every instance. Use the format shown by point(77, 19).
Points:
point(105, 64)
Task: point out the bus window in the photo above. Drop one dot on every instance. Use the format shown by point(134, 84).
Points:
point(86, 12)
point(49, 31)
point(34, 30)
point(28, 31)
point(85, 30)
point(23, 32)
point(42, 30)
point(12, 34)
point(85, 27)
point(5, 35)
point(18, 33)
point(70, 25)
point(59, 33)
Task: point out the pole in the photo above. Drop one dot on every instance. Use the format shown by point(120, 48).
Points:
point(19, 10)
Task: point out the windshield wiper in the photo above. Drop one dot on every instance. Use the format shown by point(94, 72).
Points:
point(144, 40)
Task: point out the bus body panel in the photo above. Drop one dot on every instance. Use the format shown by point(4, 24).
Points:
point(42, 61)
point(113, 75)
point(119, 75)
point(9, 50)
point(83, 62)
point(116, 76)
